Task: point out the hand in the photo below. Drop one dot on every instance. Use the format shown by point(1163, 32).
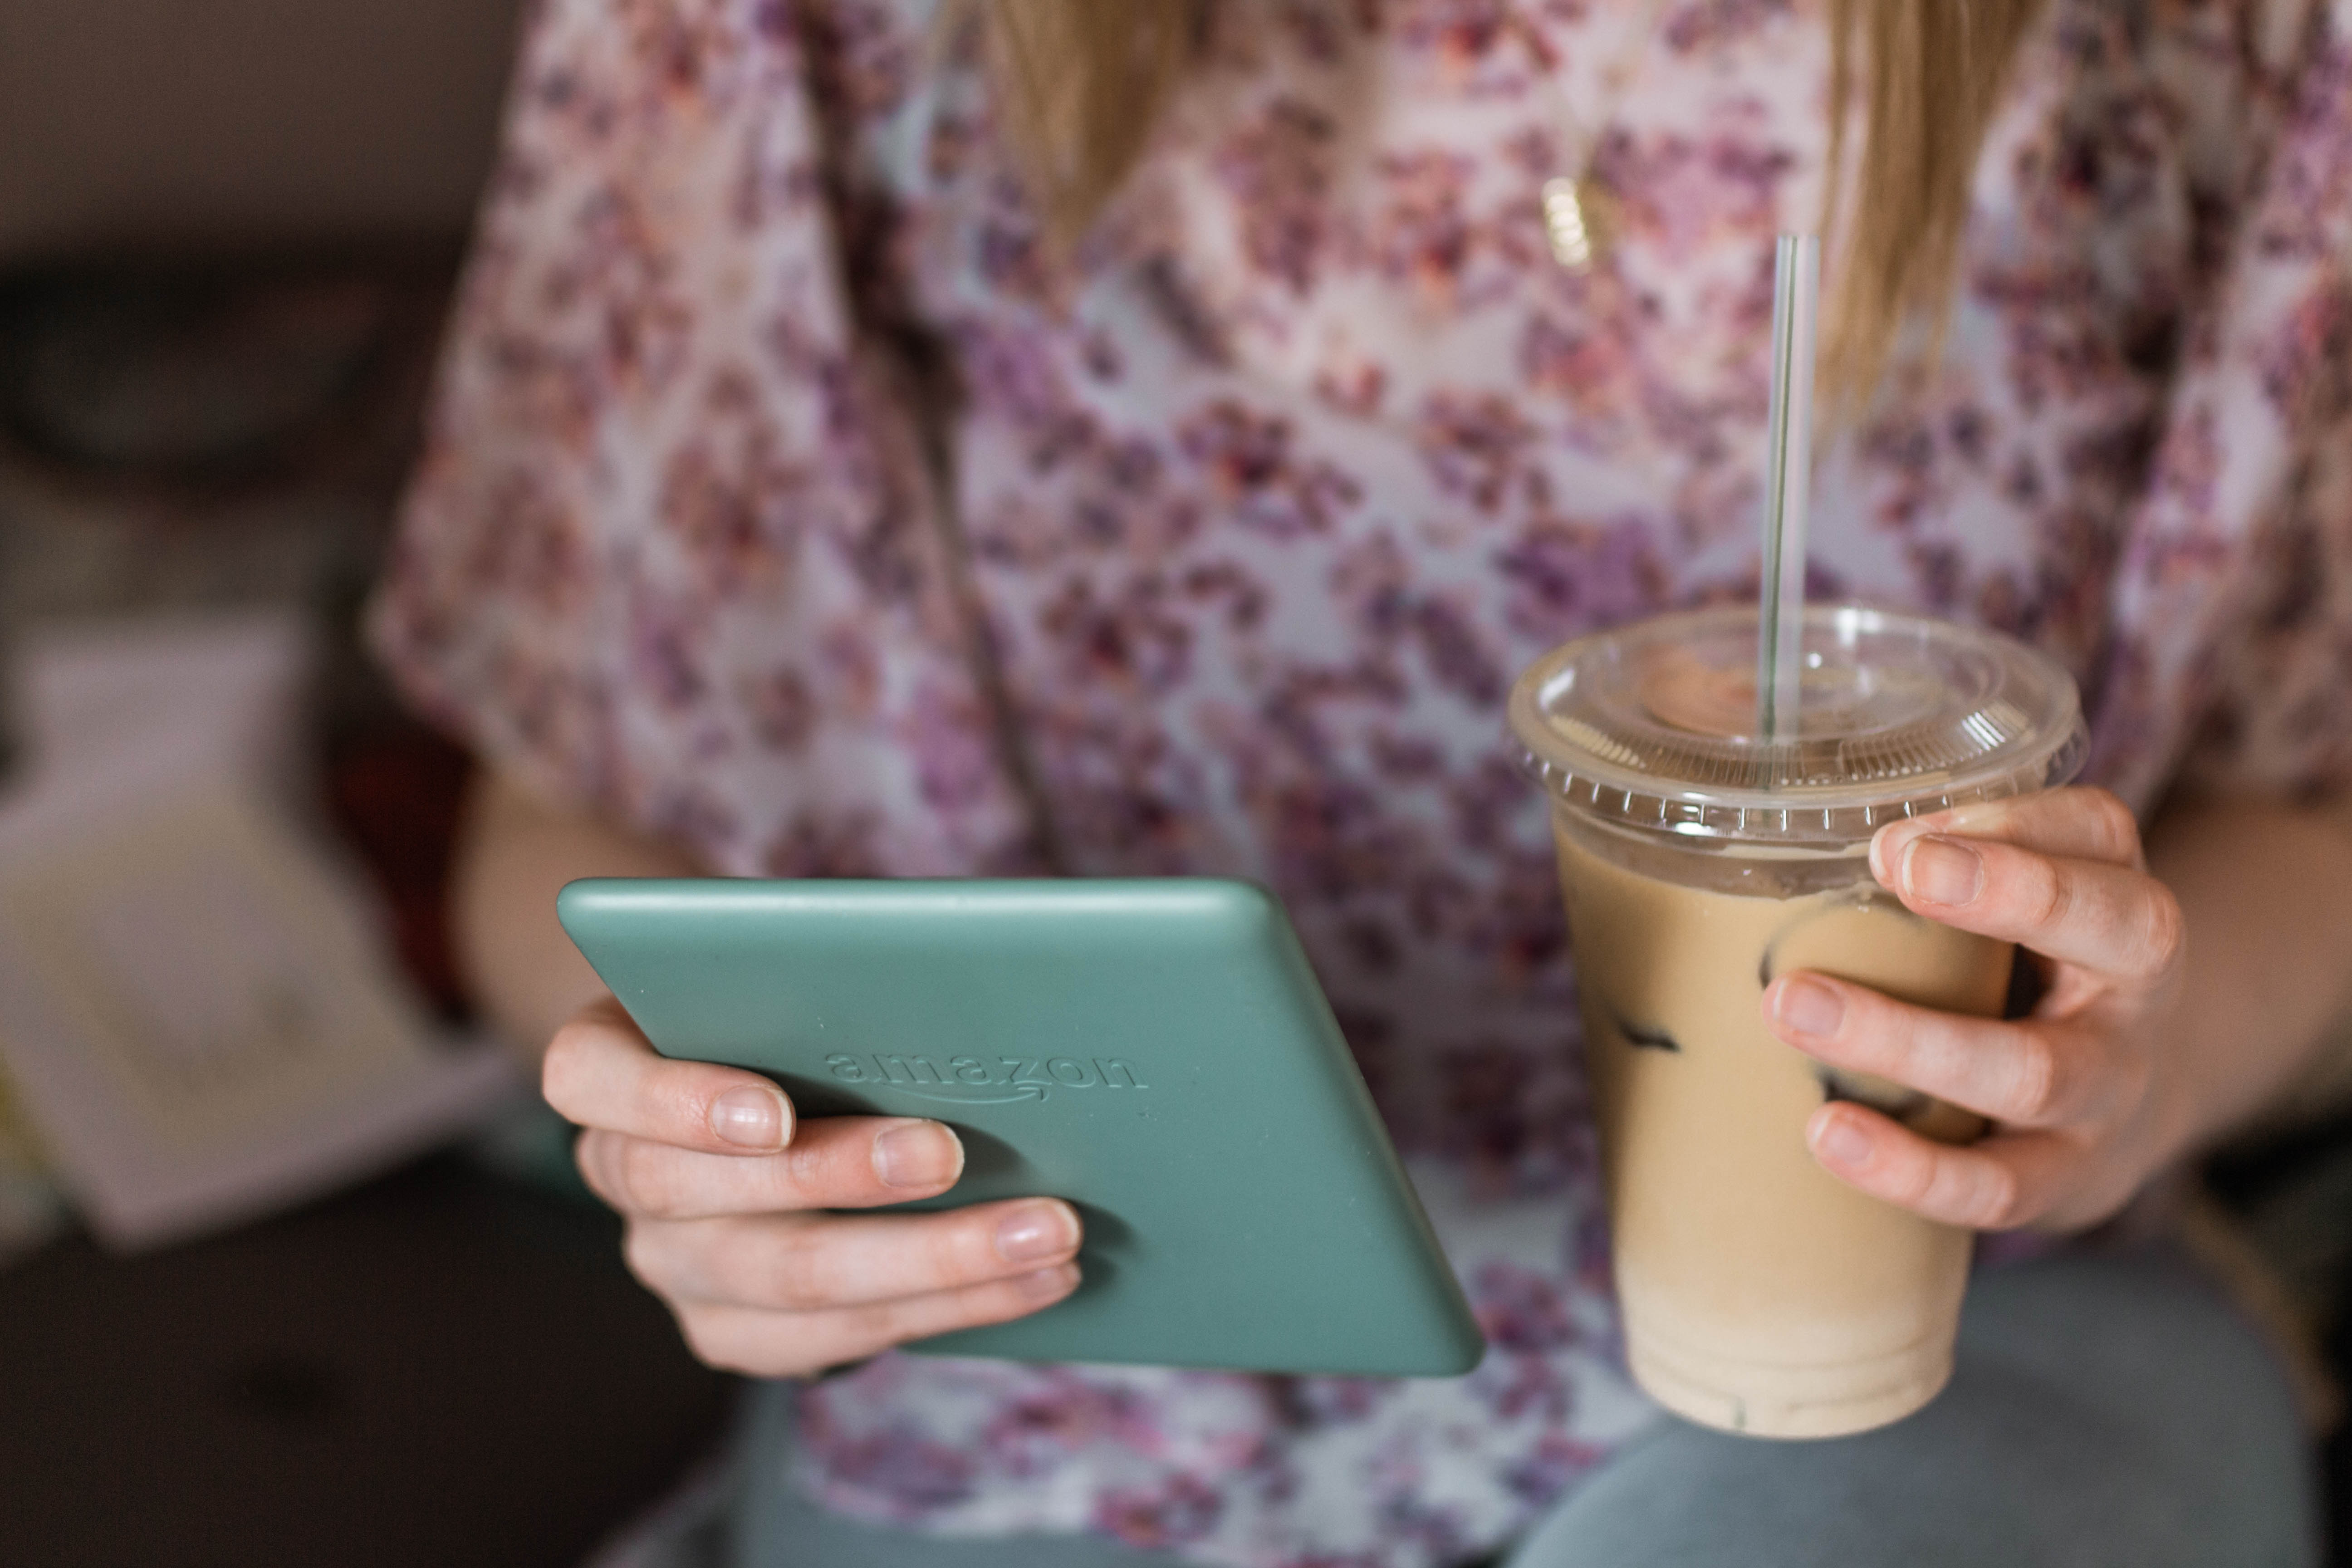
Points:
point(724, 1190)
point(2077, 1091)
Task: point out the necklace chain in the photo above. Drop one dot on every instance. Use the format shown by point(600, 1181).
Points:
point(1576, 211)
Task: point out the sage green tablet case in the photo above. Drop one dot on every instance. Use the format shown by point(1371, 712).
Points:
point(1155, 1051)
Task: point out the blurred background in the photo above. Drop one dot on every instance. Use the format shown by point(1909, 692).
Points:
point(292, 1266)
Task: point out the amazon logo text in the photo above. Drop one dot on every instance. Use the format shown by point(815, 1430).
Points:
point(969, 1080)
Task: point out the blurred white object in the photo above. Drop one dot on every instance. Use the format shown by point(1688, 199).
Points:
point(196, 1006)
point(216, 692)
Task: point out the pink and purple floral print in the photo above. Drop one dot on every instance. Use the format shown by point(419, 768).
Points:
point(786, 496)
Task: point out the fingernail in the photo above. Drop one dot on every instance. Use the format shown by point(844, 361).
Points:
point(750, 1118)
point(1808, 1008)
point(916, 1155)
point(1878, 842)
point(1842, 1143)
point(1940, 871)
point(1047, 1283)
point(1035, 1230)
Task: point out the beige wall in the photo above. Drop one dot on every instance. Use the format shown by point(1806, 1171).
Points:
point(239, 121)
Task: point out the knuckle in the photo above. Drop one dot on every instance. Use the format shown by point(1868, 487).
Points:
point(2133, 1075)
point(1912, 1181)
point(797, 1271)
point(2048, 898)
point(2116, 827)
point(1909, 1046)
point(1008, 1300)
point(711, 1342)
point(769, 1187)
point(816, 1168)
point(672, 1098)
point(589, 1152)
point(964, 1253)
point(560, 1071)
point(995, 1304)
point(1980, 1193)
point(2165, 932)
point(1996, 1205)
point(644, 1257)
point(646, 1174)
point(2036, 1090)
point(1879, 1027)
point(1899, 1043)
point(880, 1325)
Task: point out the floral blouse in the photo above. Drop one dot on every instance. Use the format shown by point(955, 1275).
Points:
point(784, 497)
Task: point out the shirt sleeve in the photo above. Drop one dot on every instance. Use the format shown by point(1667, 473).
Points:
point(2281, 719)
point(671, 552)
point(2235, 589)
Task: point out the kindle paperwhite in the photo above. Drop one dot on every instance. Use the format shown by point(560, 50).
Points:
point(1155, 1051)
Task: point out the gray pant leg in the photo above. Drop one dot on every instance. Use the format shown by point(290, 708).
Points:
point(2106, 1412)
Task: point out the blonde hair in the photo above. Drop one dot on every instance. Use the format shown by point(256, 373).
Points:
point(1081, 82)
point(1932, 71)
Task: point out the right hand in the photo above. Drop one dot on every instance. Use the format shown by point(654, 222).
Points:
point(725, 1191)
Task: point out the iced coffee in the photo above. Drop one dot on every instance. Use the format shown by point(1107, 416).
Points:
point(1699, 863)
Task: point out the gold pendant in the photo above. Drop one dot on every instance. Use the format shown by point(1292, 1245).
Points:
point(1576, 221)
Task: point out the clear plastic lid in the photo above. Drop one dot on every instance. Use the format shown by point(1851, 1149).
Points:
point(1652, 726)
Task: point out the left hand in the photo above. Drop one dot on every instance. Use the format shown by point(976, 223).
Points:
point(2077, 1092)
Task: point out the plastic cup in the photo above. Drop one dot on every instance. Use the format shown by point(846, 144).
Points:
point(1759, 1293)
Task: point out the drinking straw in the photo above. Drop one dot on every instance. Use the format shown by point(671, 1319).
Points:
point(1788, 485)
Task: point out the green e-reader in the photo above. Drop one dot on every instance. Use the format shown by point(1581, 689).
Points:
point(1156, 1051)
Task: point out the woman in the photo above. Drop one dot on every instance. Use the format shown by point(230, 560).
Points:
point(1141, 438)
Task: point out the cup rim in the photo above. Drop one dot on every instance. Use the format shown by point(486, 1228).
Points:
point(2023, 731)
